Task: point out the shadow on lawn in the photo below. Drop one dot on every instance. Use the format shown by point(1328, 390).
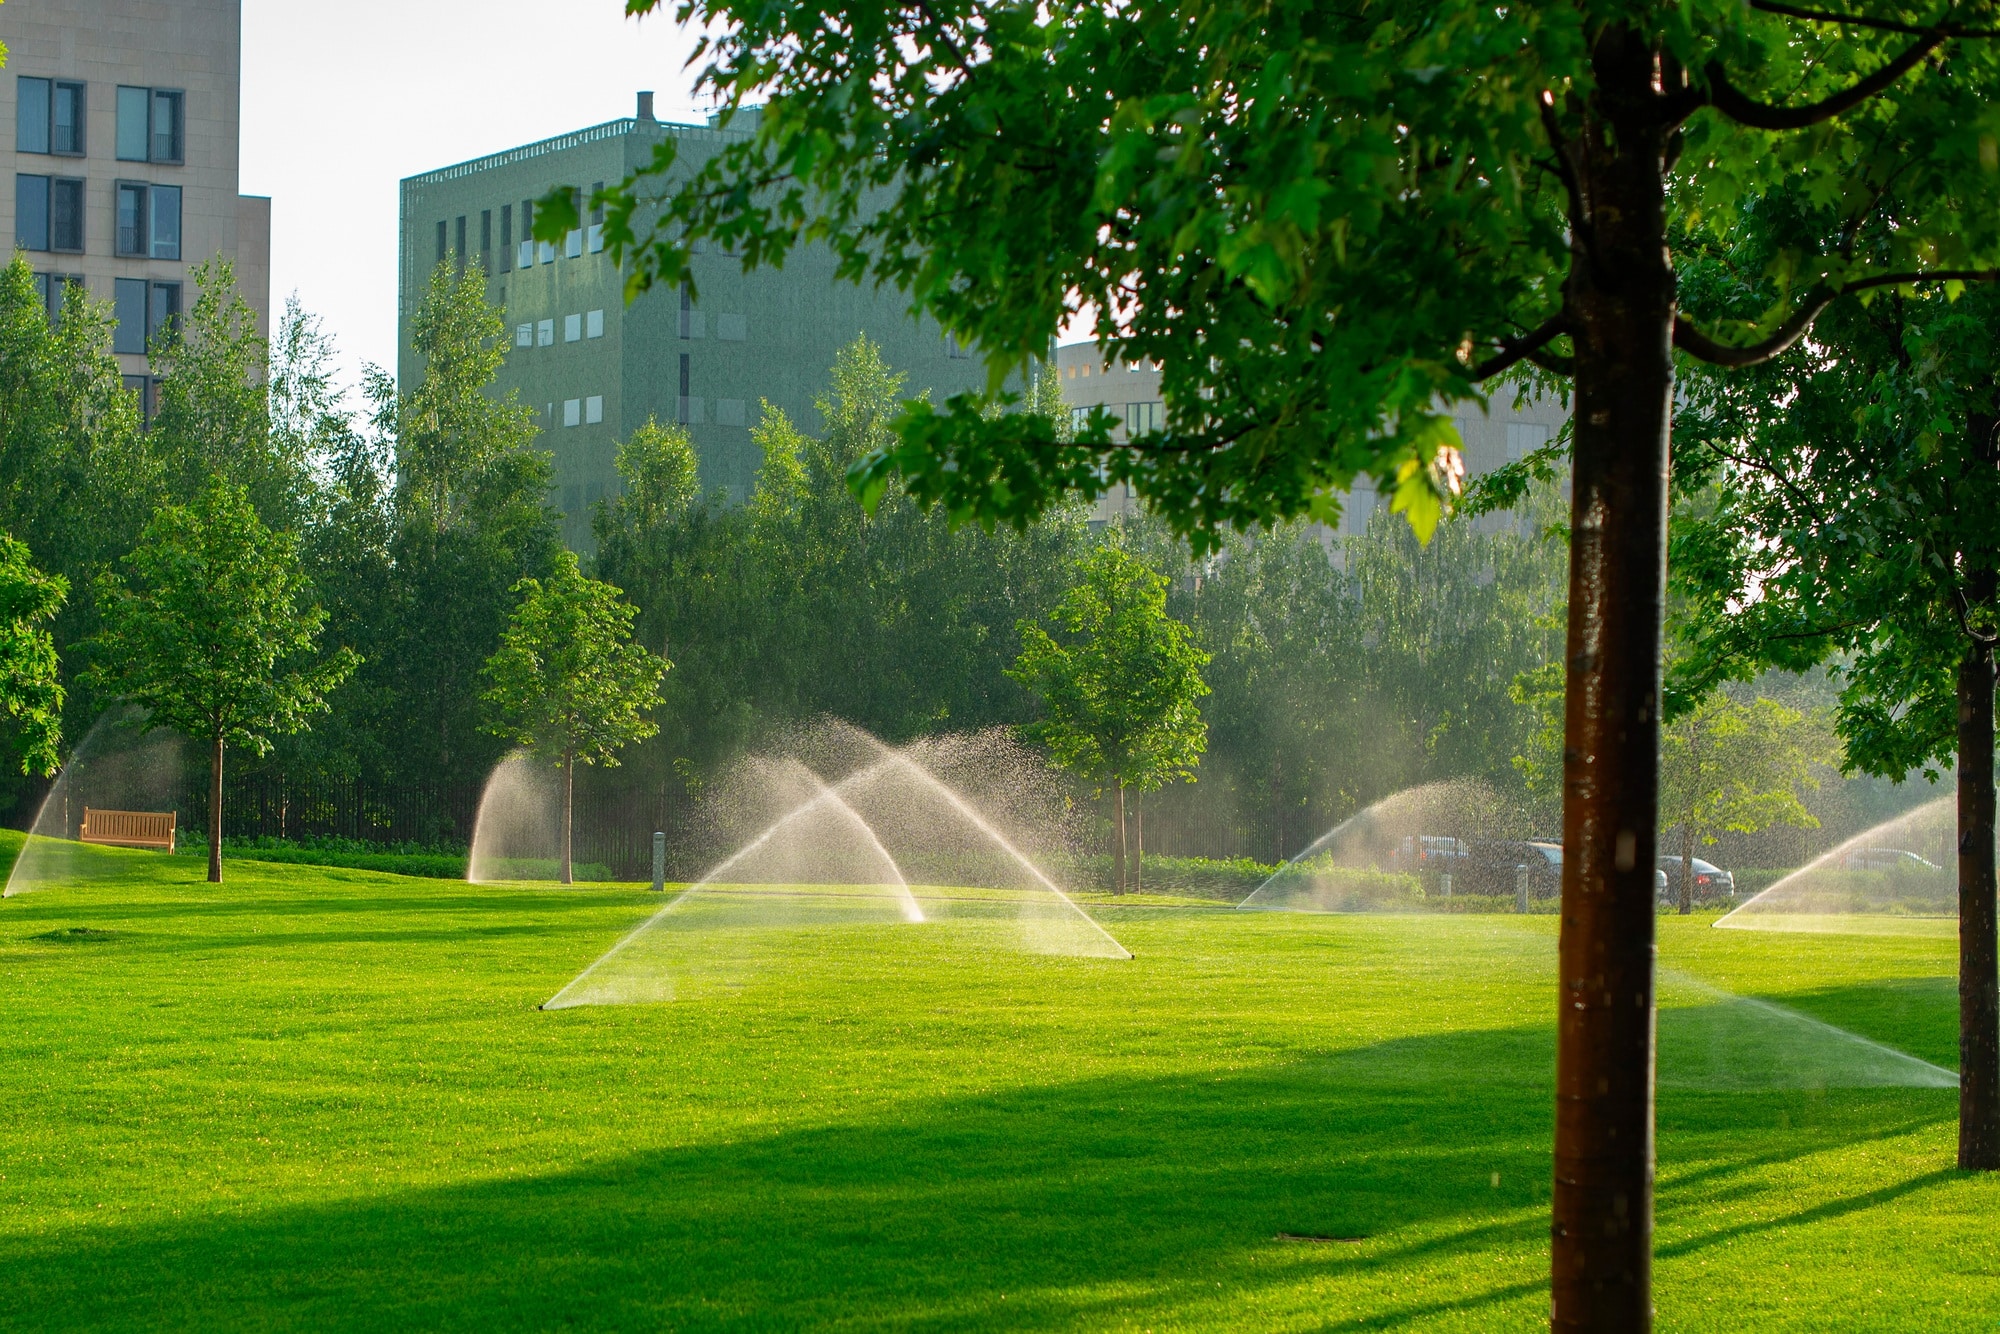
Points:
point(1042, 1208)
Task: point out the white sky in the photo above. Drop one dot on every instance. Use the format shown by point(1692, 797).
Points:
point(341, 101)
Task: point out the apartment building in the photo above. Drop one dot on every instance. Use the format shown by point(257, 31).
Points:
point(594, 369)
point(125, 125)
point(1503, 433)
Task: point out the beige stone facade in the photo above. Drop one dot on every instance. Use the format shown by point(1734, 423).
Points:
point(129, 108)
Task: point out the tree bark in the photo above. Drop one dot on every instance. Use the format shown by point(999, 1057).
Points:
point(568, 821)
point(1620, 303)
point(1978, 966)
point(215, 815)
point(1139, 843)
point(1118, 837)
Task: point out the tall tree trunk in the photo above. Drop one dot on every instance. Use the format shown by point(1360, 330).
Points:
point(1139, 843)
point(568, 826)
point(1620, 303)
point(1118, 837)
point(1978, 967)
point(215, 815)
point(1687, 864)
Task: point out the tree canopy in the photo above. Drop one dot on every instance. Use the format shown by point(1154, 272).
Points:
point(213, 632)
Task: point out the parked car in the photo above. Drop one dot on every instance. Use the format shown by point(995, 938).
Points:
point(1493, 865)
point(1429, 853)
point(1885, 859)
point(1710, 881)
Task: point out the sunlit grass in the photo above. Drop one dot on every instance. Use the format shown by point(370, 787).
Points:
point(319, 1098)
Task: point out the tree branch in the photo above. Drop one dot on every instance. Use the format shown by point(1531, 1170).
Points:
point(1704, 348)
point(1526, 347)
point(1725, 97)
point(1866, 21)
point(1699, 345)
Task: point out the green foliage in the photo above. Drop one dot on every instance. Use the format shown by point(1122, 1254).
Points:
point(1319, 221)
point(211, 628)
point(1120, 690)
point(799, 602)
point(31, 692)
point(566, 681)
point(214, 413)
point(1843, 506)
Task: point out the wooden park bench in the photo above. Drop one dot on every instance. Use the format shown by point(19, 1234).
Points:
point(129, 829)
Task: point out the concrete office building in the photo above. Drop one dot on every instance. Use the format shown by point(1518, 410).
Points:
point(594, 369)
point(1131, 393)
point(124, 130)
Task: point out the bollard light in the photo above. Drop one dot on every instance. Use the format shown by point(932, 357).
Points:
point(659, 862)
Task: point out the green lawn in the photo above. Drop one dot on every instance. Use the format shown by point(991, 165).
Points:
point(317, 1098)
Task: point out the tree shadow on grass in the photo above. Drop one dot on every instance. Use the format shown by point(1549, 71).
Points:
point(1095, 1202)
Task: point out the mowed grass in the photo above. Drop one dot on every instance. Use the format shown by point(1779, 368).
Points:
point(316, 1098)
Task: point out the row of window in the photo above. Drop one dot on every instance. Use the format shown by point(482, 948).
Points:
point(1140, 418)
point(454, 238)
point(689, 410)
point(1133, 367)
point(49, 214)
point(145, 309)
point(542, 333)
point(51, 117)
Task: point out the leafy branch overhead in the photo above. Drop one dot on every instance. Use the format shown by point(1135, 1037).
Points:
point(1321, 222)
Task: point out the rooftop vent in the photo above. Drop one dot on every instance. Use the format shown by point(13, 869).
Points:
point(646, 106)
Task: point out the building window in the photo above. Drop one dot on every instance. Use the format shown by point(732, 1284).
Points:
point(507, 235)
point(731, 328)
point(1080, 417)
point(31, 115)
point(461, 243)
point(164, 205)
point(444, 240)
point(1524, 438)
point(681, 409)
point(572, 411)
point(595, 236)
point(593, 324)
point(149, 220)
point(66, 112)
point(593, 409)
point(954, 349)
point(524, 335)
point(572, 328)
point(49, 117)
point(53, 289)
point(146, 312)
point(150, 125)
point(1141, 418)
point(66, 215)
point(573, 245)
point(546, 250)
point(48, 213)
point(691, 319)
point(31, 212)
point(545, 334)
point(486, 239)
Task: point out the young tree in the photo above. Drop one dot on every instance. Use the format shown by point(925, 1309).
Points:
point(1730, 765)
point(31, 693)
point(1856, 520)
point(567, 682)
point(1120, 689)
point(213, 631)
point(1321, 220)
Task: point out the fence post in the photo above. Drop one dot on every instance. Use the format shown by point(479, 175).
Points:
point(1520, 889)
point(659, 862)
